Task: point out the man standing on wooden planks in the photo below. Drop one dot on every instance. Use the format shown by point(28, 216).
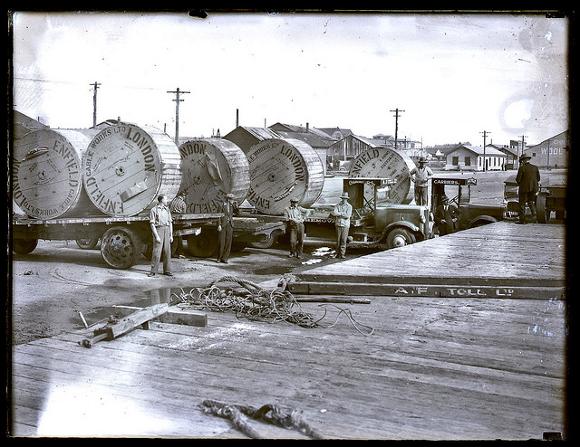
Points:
point(342, 212)
point(226, 228)
point(178, 206)
point(421, 176)
point(162, 229)
point(528, 179)
point(294, 216)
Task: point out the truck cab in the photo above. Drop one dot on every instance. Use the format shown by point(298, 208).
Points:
point(375, 222)
point(458, 191)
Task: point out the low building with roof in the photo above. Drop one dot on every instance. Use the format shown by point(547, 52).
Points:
point(511, 152)
point(475, 158)
point(245, 137)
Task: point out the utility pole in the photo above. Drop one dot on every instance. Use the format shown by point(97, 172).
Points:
point(177, 101)
point(523, 146)
point(548, 159)
point(396, 115)
point(95, 87)
point(484, 133)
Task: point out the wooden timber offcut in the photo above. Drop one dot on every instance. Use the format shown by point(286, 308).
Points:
point(212, 168)
point(499, 260)
point(283, 169)
point(47, 173)
point(126, 167)
point(387, 163)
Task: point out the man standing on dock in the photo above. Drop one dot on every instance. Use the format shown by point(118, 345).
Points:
point(342, 212)
point(178, 206)
point(294, 216)
point(528, 178)
point(162, 229)
point(226, 228)
point(421, 176)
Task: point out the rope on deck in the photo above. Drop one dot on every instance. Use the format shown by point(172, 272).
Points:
point(256, 303)
point(271, 414)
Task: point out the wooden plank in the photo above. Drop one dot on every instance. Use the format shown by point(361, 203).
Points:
point(174, 315)
point(458, 290)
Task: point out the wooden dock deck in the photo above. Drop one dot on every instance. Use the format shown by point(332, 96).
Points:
point(437, 368)
point(499, 260)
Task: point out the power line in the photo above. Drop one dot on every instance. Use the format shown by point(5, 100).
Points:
point(177, 101)
point(95, 87)
point(396, 115)
point(484, 133)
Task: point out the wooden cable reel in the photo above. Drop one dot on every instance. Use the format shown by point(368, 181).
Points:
point(126, 167)
point(387, 163)
point(47, 173)
point(282, 169)
point(210, 169)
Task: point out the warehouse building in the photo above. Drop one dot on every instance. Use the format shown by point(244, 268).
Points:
point(551, 153)
point(472, 158)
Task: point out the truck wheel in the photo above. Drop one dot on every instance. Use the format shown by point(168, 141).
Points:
point(265, 242)
point(204, 245)
point(399, 237)
point(120, 247)
point(24, 246)
point(88, 244)
point(542, 211)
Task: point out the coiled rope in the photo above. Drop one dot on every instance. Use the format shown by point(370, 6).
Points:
point(271, 414)
point(256, 303)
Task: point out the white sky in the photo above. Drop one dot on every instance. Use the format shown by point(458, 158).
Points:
point(454, 75)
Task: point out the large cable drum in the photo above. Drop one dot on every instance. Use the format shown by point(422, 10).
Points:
point(282, 169)
point(126, 167)
point(210, 169)
point(387, 163)
point(47, 173)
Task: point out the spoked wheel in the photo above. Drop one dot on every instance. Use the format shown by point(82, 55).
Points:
point(203, 245)
point(399, 237)
point(88, 244)
point(120, 247)
point(24, 246)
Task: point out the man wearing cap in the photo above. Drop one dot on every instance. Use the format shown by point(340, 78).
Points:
point(226, 228)
point(162, 229)
point(294, 217)
point(178, 206)
point(446, 217)
point(342, 212)
point(528, 179)
point(421, 176)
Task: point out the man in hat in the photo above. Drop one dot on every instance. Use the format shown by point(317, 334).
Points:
point(178, 206)
point(226, 228)
point(421, 176)
point(528, 179)
point(294, 217)
point(342, 213)
point(162, 228)
point(446, 217)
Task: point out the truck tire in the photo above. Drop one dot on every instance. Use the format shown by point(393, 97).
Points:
point(542, 211)
point(24, 246)
point(265, 242)
point(120, 247)
point(399, 237)
point(204, 245)
point(88, 244)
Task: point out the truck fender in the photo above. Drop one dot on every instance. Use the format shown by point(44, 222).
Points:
point(482, 219)
point(401, 224)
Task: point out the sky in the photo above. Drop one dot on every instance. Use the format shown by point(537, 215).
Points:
point(453, 75)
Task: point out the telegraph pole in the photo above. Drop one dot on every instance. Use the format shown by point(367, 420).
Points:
point(548, 159)
point(177, 101)
point(95, 87)
point(523, 146)
point(396, 115)
point(484, 133)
